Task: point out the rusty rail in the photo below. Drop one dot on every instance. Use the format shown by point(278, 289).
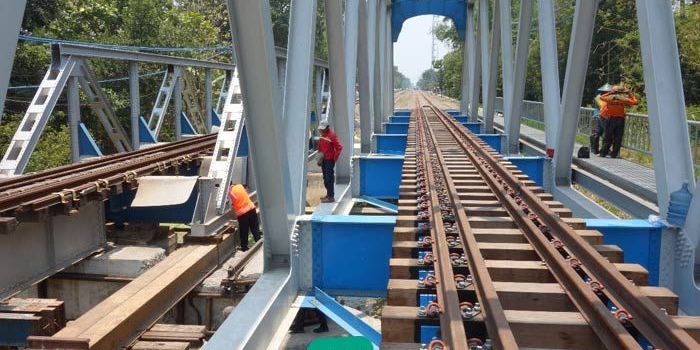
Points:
point(588, 279)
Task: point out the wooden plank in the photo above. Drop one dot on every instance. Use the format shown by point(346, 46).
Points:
point(515, 236)
point(613, 253)
point(158, 345)
point(508, 251)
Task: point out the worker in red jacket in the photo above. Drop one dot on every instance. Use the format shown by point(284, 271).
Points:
point(247, 216)
point(330, 147)
point(613, 113)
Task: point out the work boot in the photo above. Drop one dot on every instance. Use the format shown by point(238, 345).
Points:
point(327, 200)
point(321, 329)
point(595, 143)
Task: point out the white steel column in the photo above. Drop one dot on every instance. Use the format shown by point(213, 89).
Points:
point(10, 21)
point(388, 69)
point(135, 102)
point(177, 108)
point(251, 30)
point(550, 75)
point(352, 8)
point(484, 46)
point(576, 66)
point(366, 48)
point(297, 104)
point(379, 63)
point(319, 72)
point(518, 84)
point(506, 24)
point(490, 98)
point(208, 95)
point(664, 89)
point(474, 65)
point(73, 97)
point(466, 73)
point(336, 61)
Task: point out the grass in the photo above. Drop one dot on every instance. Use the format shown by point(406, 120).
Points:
point(609, 207)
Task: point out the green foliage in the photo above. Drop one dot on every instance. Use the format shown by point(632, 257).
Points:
point(400, 80)
point(428, 80)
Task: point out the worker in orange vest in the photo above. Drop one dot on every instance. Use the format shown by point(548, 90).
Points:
point(246, 214)
point(613, 113)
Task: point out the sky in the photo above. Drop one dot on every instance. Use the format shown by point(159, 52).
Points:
point(412, 53)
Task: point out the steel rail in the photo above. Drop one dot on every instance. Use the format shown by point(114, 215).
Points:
point(496, 322)
point(451, 323)
point(73, 186)
point(647, 318)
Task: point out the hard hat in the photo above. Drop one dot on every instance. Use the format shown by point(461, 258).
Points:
point(605, 88)
point(323, 125)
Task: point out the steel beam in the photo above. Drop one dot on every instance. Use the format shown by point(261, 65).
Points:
point(490, 97)
point(177, 104)
point(550, 77)
point(352, 9)
point(340, 120)
point(389, 69)
point(518, 84)
point(484, 45)
point(576, 66)
point(10, 21)
point(73, 97)
point(475, 65)
point(36, 250)
point(506, 24)
point(135, 103)
point(297, 104)
point(123, 55)
point(366, 48)
point(379, 64)
point(251, 30)
point(208, 96)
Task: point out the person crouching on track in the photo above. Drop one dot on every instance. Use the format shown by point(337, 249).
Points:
point(330, 146)
point(247, 216)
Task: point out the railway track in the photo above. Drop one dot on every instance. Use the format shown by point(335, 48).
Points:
point(483, 258)
point(64, 187)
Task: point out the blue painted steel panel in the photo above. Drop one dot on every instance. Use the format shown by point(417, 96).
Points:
point(186, 126)
point(533, 167)
point(452, 112)
point(425, 299)
point(391, 144)
point(401, 10)
point(640, 239)
point(119, 209)
point(428, 333)
point(145, 134)
point(15, 328)
point(380, 177)
point(86, 144)
point(493, 140)
point(351, 253)
point(475, 127)
point(344, 318)
point(401, 119)
point(396, 128)
point(402, 112)
point(461, 118)
point(215, 119)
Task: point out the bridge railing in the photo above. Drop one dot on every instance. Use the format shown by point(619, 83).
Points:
point(637, 138)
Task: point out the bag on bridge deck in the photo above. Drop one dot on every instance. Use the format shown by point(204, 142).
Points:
point(584, 152)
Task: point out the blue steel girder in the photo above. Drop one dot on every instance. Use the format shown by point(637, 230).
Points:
point(401, 10)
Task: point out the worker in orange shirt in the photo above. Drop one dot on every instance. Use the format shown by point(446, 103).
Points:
point(613, 113)
point(247, 216)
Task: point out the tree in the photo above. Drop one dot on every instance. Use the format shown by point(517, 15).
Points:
point(428, 80)
point(400, 80)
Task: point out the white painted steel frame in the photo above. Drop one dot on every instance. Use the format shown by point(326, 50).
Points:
point(485, 60)
point(73, 97)
point(506, 31)
point(490, 97)
point(338, 115)
point(380, 65)
point(10, 21)
point(297, 103)
point(576, 67)
point(519, 75)
point(135, 104)
point(366, 61)
point(550, 77)
point(475, 65)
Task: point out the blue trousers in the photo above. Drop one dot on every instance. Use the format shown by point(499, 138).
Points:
point(328, 168)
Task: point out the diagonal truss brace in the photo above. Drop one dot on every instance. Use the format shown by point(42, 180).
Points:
point(167, 88)
point(39, 111)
